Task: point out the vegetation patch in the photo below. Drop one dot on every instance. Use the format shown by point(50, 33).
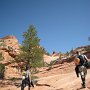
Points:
point(2, 69)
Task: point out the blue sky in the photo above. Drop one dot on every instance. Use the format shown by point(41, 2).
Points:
point(62, 25)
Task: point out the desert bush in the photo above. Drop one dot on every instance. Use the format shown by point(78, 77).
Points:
point(1, 57)
point(2, 69)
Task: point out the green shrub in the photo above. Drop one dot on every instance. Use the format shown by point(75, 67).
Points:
point(1, 56)
point(2, 69)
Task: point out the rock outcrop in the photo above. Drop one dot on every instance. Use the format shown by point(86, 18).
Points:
point(9, 47)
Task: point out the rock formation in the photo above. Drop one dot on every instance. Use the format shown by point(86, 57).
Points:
point(9, 47)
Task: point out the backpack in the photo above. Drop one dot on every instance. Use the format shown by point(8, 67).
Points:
point(87, 64)
point(77, 61)
point(82, 59)
point(26, 74)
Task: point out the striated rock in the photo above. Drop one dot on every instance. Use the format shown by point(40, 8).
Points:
point(9, 47)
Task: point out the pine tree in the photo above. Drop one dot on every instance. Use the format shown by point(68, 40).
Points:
point(32, 52)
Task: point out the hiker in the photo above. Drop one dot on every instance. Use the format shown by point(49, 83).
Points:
point(81, 60)
point(27, 79)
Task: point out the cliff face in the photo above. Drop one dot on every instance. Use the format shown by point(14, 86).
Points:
point(9, 47)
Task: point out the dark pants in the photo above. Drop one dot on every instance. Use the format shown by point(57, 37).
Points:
point(25, 82)
point(77, 70)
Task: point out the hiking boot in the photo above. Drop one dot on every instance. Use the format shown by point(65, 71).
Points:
point(83, 85)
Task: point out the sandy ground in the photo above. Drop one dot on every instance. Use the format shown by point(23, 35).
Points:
point(48, 81)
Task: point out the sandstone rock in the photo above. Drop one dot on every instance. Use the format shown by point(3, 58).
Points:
point(9, 47)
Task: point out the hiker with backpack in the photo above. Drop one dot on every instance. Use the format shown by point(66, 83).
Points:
point(81, 66)
point(26, 79)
